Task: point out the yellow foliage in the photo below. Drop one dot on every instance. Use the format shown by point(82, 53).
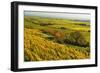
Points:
point(37, 48)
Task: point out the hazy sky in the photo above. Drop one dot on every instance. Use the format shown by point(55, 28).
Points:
point(68, 15)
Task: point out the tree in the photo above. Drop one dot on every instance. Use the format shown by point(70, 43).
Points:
point(76, 38)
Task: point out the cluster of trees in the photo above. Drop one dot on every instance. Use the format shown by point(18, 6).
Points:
point(74, 38)
point(45, 23)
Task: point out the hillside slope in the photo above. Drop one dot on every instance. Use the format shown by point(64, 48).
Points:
point(40, 49)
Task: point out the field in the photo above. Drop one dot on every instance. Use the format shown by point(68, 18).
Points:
point(48, 39)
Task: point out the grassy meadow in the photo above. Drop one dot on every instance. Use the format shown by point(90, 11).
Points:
point(47, 39)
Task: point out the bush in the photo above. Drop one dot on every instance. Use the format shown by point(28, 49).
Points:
point(76, 38)
point(45, 23)
point(62, 28)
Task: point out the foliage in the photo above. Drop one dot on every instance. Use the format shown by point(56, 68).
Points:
point(76, 38)
point(40, 49)
point(55, 39)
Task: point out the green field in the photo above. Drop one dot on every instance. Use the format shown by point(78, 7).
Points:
point(48, 39)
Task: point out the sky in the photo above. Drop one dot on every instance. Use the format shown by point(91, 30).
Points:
point(67, 15)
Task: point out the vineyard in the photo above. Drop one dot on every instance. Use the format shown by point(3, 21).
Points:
point(55, 39)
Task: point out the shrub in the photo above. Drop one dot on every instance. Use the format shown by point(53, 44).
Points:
point(76, 38)
point(62, 28)
point(83, 24)
point(45, 23)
